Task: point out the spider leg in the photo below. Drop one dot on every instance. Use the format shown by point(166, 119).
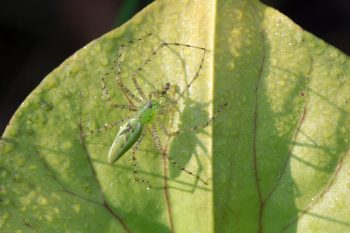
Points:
point(106, 126)
point(170, 158)
point(136, 174)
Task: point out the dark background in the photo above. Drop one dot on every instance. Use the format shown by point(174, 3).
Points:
point(37, 35)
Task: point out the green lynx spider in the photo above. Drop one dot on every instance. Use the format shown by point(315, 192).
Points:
point(146, 111)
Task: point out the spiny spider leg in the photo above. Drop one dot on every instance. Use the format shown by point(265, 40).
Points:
point(166, 44)
point(200, 67)
point(137, 176)
point(159, 93)
point(107, 126)
point(109, 100)
point(163, 128)
point(155, 52)
point(169, 158)
point(129, 95)
point(125, 90)
point(200, 126)
point(155, 138)
point(105, 89)
point(133, 77)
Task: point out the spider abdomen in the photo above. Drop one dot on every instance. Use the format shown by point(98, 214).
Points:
point(127, 136)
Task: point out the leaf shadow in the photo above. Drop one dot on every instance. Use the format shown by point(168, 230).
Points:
point(188, 144)
point(333, 154)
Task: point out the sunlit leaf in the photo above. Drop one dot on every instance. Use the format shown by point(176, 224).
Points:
point(276, 158)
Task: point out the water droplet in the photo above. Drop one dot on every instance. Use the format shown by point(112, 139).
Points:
point(16, 177)
point(231, 65)
point(19, 162)
point(48, 217)
point(66, 165)
point(42, 200)
point(104, 61)
point(56, 210)
point(238, 14)
point(67, 145)
point(97, 47)
point(76, 208)
point(222, 178)
point(3, 219)
point(274, 62)
point(6, 201)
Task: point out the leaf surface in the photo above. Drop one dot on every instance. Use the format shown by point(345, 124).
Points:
point(276, 158)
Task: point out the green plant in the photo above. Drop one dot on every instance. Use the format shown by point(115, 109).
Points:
point(277, 159)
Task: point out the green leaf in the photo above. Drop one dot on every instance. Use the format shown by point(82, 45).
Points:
point(276, 158)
